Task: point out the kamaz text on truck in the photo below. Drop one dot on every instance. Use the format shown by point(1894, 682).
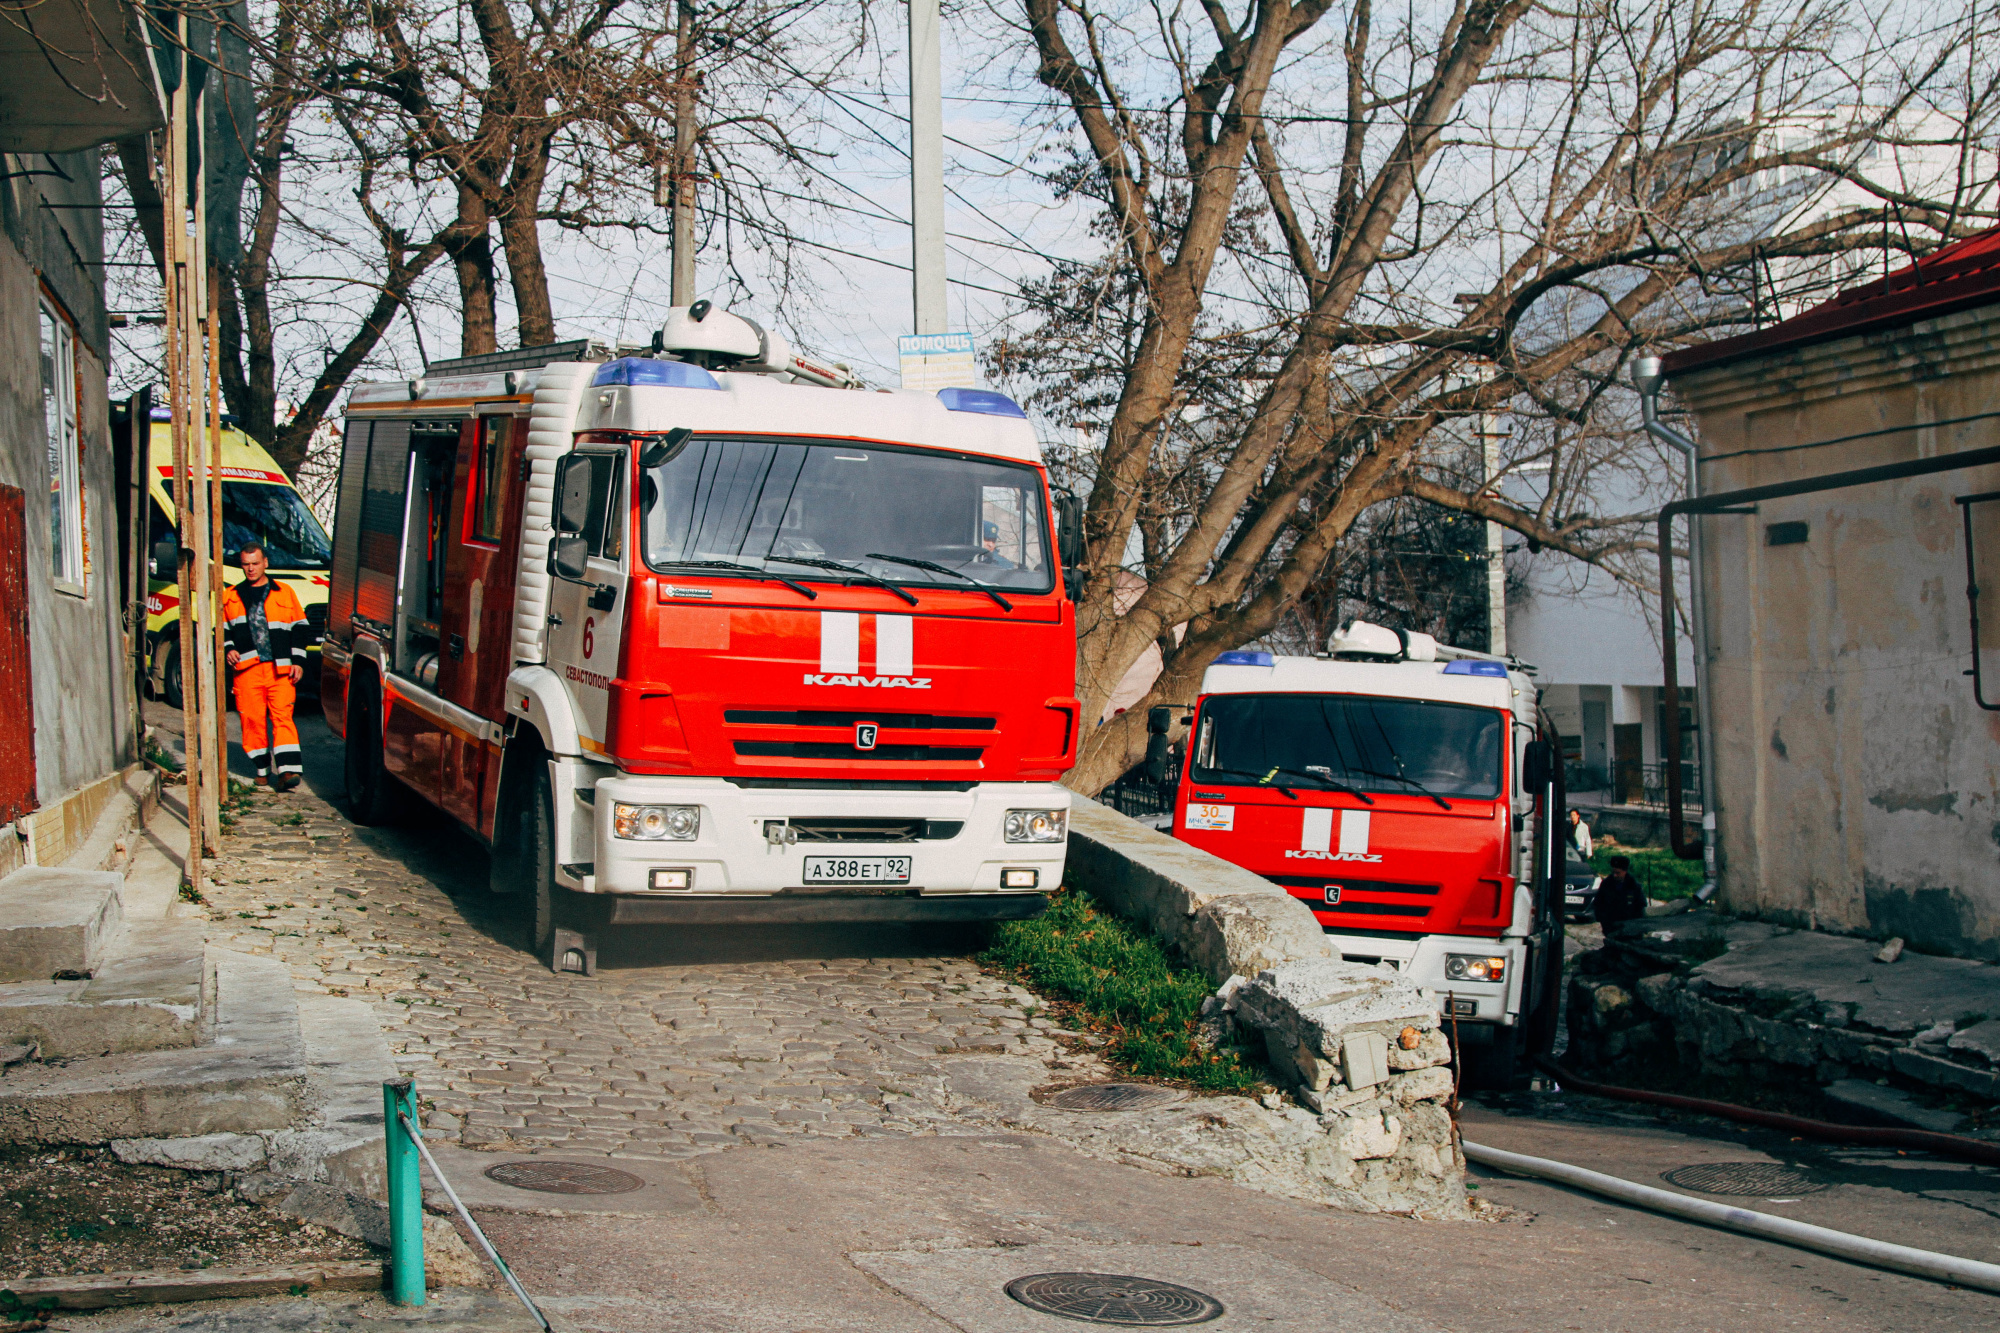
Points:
point(1404, 792)
point(707, 635)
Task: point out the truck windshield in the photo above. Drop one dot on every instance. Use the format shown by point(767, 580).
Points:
point(757, 501)
point(1360, 741)
point(275, 516)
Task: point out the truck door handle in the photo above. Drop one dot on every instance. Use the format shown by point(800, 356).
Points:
point(456, 646)
point(554, 619)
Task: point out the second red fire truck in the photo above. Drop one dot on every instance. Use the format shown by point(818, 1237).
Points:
point(706, 634)
point(1408, 794)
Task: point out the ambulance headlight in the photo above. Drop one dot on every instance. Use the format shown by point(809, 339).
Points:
point(1474, 967)
point(656, 823)
point(1037, 825)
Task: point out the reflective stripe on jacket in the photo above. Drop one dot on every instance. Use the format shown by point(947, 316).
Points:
point(284, 619)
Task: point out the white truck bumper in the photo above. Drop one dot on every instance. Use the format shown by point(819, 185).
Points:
point(735, 854)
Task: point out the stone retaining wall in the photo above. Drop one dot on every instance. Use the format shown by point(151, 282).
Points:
point(1360, 1047)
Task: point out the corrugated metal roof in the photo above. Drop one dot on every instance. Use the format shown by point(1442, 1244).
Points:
point(1960, 276)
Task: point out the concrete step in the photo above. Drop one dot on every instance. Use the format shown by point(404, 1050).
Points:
point(55, 923)
point(246, 1072)
point(144, 995)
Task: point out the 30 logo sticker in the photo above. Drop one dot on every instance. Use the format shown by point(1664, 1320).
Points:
point(1215, 818)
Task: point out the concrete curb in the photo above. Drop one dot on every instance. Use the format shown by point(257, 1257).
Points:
point(1228, 921)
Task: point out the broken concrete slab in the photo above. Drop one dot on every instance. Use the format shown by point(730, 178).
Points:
point(1981, 1040)
point(1916, 992)
point(55, 922)
point(200, 1152)
point(248, 1075)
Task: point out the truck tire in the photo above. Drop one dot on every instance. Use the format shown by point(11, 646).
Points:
point(170, 670)
point(1543, 1016)
point(537, 864)
point(370, 789)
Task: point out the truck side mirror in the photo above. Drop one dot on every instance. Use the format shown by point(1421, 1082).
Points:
point(1159, 753)
point(1069, 530)
point(1159, 720)
point(1535, 765)
point(569, 557)
point(572, 494)
point(666, 448)
point(166, 559)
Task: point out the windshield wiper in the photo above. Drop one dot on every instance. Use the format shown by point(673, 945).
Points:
point(1327, 781)
point(1405, 777)
point(1259, 779)
point(752, 570)
point(846, 569)
point(933, 566)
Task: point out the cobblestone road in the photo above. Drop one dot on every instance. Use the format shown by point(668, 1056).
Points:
point(684, 1042)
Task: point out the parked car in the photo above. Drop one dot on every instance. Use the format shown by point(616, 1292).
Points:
point(1579, 891)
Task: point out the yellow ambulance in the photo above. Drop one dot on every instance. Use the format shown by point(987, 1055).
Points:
point(258, 504)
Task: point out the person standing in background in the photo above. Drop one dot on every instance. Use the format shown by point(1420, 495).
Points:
point(1578, 836)
point(265, 624)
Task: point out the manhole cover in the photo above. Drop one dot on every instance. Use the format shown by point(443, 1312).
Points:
point(1115, 1097)
point(1111, 1298)
point(565, 1177)
point(1762, 1179)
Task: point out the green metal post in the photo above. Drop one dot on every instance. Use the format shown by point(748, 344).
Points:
point(406, 1195)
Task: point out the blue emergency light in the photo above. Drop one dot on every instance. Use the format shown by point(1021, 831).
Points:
point(1241, 657)
point(1472, 666)
point(980, 400)
point(648, 370)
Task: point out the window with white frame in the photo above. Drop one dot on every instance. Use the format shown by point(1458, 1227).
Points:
point(66, 539)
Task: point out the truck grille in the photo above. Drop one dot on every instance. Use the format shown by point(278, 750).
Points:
point(840, 829)
point(1361, 897)
point(752, 717)
point(903, 754)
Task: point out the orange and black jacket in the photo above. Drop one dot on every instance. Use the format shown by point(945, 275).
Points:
point(265, 623)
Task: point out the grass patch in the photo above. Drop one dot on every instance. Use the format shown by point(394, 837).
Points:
point(1659, 872)
point(1122, 983)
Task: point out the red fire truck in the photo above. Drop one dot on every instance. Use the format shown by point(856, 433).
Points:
point(1405, 793)
point(703, 633)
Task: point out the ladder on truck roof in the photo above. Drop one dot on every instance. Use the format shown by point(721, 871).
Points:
point(529, 358)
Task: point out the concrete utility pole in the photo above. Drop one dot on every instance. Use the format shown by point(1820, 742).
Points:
point(1490, 436)
point(927, 168)
point(681, 179)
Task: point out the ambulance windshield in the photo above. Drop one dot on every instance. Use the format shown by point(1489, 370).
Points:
point(950, 521)
point(1350, 740)
point(276, 517)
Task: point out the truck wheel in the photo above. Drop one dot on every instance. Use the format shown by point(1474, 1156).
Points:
point(369, 786)
point(170, 672)
point(537, 864)
point(1542, 1019)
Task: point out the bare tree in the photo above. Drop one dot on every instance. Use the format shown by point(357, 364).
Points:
point(1332, 239)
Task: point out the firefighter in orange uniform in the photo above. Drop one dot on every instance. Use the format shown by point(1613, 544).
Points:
point(267, 628)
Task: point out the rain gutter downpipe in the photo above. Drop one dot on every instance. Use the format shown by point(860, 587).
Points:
point(1723, 502)
point(1646, 378)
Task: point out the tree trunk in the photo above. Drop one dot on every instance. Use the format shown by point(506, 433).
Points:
point(470, 246)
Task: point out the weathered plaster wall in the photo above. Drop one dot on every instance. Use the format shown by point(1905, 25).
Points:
point(1858, 782)
point(53, 236)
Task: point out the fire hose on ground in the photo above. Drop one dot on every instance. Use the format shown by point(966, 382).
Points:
point(1839, 1244)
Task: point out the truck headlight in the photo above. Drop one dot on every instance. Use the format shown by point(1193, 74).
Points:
point(1474, 967)
point(1037, 825)
point(656, 823)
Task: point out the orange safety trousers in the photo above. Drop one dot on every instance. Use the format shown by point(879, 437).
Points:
point(262, 689)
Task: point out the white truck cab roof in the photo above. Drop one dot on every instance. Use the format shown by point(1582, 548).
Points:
point(1460, 680)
